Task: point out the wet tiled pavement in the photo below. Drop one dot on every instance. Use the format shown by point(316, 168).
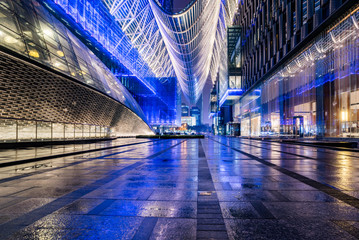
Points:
point(219, 188)
point(11, 155)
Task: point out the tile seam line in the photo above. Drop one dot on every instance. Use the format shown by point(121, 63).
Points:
point(322, 147)
point(319, 149)
point(346, 226)
point(297, 146)
point(293, 154)
point(297, 155)
point(335, 193)
point(10, 164)
point(217, 203)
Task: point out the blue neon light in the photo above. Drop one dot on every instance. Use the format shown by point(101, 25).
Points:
point(94, 20)
point(90, 20)
point(230, 92)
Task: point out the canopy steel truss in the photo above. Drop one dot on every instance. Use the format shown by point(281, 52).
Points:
point(187, 44)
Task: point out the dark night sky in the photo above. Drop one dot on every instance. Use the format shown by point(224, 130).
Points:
point(180, 4)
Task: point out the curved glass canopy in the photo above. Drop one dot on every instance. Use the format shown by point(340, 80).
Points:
point(187, 43)
point(194, 39)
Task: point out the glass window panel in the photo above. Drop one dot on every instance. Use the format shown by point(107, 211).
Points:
point(75, 72)
point(24, 10)
point(51, 41)
point(43, 131)
point(58, 131)
point(26, 130)
point(70, 57)
point(88, 79)
point(69, 131)
point(59, 63)
point(238, 82)
point(83, 65)
point(86, 131)
point(39, 10)
point(56, 50)
point(78, 131)
point(6, 4)
point(32, 33)
point(106, 132)
point(92, 131)
point(37, 52)
point(7, 130)
point(232, 81)
point(12, 40)
point(65, 43)
point(98, 131)
point(60, 28)
point(7, 19)
point(102, 131)
point(47, 30)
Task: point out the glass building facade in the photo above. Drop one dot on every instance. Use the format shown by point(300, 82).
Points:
point(148, 73)
point(316, 93)
point(26, 28)
point(95, 19)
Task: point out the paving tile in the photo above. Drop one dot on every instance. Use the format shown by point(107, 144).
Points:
point(174, 228)
point(200, 189)
point(212, 235)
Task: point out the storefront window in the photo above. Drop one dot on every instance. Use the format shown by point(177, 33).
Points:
point(317, 93)
point(256, 126)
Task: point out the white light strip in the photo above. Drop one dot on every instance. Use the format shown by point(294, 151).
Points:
point(188, 44)
point(194, 40)
point(136, 19)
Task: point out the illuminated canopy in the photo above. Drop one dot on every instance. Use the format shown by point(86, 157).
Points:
point(137, 21)
point(186, 44)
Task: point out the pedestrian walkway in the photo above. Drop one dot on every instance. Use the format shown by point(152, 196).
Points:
point(213, 188)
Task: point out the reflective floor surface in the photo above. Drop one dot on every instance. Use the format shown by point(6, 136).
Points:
point(10, 155)
point(213, 188)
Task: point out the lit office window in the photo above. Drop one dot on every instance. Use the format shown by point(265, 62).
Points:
point(294, 21)
point(317, 5)
point(305, 11)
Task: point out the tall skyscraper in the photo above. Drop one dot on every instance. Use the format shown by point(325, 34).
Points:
point(196, 113)
point(184, 110)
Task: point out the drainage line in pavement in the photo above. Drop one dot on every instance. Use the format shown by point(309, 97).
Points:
point(350, 200)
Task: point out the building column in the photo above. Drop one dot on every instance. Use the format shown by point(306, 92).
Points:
point(281, 106)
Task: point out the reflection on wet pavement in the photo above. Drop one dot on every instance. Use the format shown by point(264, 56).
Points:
point(10, 155)
point(216, 188)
